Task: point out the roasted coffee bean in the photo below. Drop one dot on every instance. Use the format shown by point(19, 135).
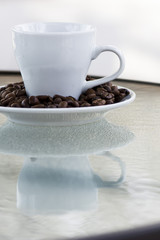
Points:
point(9, 85)
point(20, 83)
point(108, 84)
point(75, 104)
point(50, 99)
point(10, 102)
point(42, 97)
point(98, 102)
point(48, 103)
point(2, 88)
point(4, 94)
point(82, 97)
point(115, 90)
point(57, 100)
point(14, 104)
point(110, 101)
point(59, 96)
point(125, 91)
point(104, 95)
point(63, 104)
point(72, 103)
point(90, 91)
point(22, 97)
point(10, 89)
point(70, 98)
point(51, 106)
point(10, 95)
point(38, 106)
point(109, 96)
point(20, 92)
point(89, 78)
point(90, 96)
point(33, 100)
point(25, 103)
point(101, 91)
point(85, 104)
point(108, 88)
point(18, 87)
point(119, 97)
point(5, 102)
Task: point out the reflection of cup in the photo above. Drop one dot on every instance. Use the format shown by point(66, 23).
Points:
point(47, 185)
point(57, 184)
point(54, 57)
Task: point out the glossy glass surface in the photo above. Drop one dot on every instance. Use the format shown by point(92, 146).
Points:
point(65, 182)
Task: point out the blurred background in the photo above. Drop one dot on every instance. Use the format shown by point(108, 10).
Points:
point(133, 26)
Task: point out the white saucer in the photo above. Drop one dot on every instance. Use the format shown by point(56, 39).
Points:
point(62, 116)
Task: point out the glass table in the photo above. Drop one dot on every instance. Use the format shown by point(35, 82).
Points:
point(82, 181)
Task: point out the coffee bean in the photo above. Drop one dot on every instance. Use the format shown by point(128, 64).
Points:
point(115, 90)
point(98, 102)
point(38, 106)
point(108, 84)
point(57, 100)
point(72, 103)
point(63, 104)
point(110, 101)
point(51, 106)
point(20, 92)
point(2, 88)
point(90, 96)
point(5, 102)
point(14, 104)
point(42, 97)
point(59, 96)
point(90, 91)
point(70, 98)
point(85, 104)
point(50, 99)
point(101, 91)
point(10, 89)
point(33, 100)
point(104, 95)
point(125, 91)
point(9, 85)
point(108, 88)
point(82, 97)
point(25, 103)
point(4, 94)
point(119, 97)
point(10, 95)
point(18, 83)
point(109, 96)
point(18, 87)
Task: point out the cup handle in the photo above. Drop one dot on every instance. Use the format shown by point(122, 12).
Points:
point(97, 51)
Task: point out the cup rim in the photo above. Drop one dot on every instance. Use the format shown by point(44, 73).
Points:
point(19, 28)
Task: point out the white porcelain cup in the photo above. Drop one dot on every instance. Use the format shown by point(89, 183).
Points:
point(54, 57)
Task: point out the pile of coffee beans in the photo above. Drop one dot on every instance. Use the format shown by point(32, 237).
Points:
point(14, 95)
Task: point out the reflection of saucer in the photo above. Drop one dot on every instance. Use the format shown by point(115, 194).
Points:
point(62, 141)
point(62, 117)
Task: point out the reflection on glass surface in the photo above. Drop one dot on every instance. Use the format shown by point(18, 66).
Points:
point(56, 175)
point(55, 185)
point(62, 141)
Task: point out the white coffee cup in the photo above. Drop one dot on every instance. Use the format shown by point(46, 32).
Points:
point(54, 57)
